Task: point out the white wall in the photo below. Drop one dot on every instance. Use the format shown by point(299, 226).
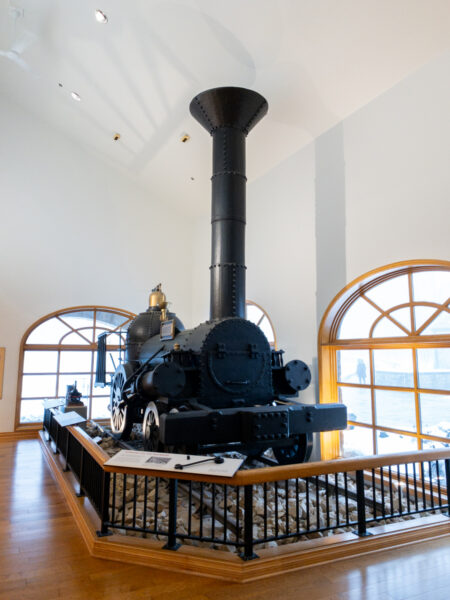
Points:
point(397, 154)
point(74, 231)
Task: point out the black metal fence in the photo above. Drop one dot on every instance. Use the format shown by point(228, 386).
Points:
point(245, 516)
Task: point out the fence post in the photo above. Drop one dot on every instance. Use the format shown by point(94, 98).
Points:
point(248, 553)
point(56, 440)
point(361, 505)
point(81, 493)
point(173, 497)
point(106, 479)
point(66, 468)
point(447, 479)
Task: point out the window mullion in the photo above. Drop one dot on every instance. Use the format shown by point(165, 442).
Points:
point(416, 398)
point(58, 362)
point(372, 398)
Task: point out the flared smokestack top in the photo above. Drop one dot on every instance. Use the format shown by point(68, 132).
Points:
point(229, 114)
point(228, 107)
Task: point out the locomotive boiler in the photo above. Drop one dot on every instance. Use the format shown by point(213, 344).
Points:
point(218, 386)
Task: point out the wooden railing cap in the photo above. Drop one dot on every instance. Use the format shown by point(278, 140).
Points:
point(268, 474)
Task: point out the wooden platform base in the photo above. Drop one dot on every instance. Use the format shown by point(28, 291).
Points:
point(226, 565)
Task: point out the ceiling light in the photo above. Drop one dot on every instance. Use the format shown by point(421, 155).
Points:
point(75, 96)
point(100, 16)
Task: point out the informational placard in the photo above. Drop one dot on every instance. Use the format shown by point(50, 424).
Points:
point(178, 463)
point(68, 418)
point(53, 402)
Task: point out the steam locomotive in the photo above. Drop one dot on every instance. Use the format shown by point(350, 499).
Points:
point(218, 386)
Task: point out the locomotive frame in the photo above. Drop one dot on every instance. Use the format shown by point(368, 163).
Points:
point(218, 386)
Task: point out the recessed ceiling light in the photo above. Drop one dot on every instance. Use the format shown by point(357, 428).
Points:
point(75, 96)
point(100, 16)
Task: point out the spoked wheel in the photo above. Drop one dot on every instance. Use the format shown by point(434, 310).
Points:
point(299, 452)
point(121, 424)
point(150, 428)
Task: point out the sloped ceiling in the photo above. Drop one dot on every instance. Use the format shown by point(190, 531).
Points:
point(316, 61)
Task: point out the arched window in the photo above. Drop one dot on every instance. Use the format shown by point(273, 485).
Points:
point(60, 349)
point(385, 353)
point(256, 314)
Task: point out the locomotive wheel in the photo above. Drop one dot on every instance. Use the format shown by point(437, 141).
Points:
point(150, 428)
point(299, 452)
point(121, 424)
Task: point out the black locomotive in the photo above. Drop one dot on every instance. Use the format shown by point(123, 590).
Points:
point(218, 386)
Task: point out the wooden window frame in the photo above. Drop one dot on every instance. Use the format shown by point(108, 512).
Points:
point(59, 347)
point(329, 344)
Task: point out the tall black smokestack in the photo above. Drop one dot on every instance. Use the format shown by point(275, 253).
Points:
point(229, 114)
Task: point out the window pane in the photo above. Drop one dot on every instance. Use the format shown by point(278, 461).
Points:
point(357, 441)
point(100, 408)
point(358, 403)
point(353, 366)
point(435, 414)
point(393, 368)
point(386, 328)
point(396, 410)
point(83, 384)
point(110, 356)
point(114, 339)
point(390, 293)
point(438, 326)
point(38, 386)
point(109, 320)
point(31, 411)
point(393, 442)
point(254, 313)
point(75, 361)
point(49, 332)
point(102, 391)
point(77, 319)
point(110, 368)
point(40, 361)
point(74, 339)
point(433, 365)
point(267, 329)
point(437, 467)
point(86, 333)
point(358, 320)
point(422, 314)
point(431, 286)
point(403, 316)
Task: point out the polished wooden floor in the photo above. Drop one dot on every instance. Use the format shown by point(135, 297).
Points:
point(44, 557)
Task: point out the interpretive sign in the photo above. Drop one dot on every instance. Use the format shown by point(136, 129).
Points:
point(186, 463)
point(68, 418)
point(53, 402)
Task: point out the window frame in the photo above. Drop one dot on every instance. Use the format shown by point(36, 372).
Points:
point(90, 347)
point(329, 345)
